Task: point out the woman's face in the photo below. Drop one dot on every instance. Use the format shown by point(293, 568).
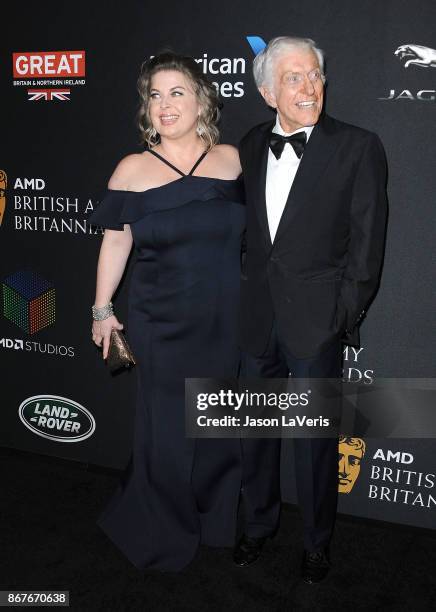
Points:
point(173, 107)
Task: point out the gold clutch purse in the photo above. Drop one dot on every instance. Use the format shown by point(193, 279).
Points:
point(119, 354)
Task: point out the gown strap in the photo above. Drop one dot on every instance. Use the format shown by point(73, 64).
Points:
point(165, 161)
point(198, 162)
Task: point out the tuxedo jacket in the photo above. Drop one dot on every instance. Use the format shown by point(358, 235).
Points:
point(318, 276)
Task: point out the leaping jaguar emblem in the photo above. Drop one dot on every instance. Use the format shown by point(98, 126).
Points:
point(424, 57)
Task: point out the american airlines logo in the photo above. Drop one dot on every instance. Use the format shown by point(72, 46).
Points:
point(48, 75)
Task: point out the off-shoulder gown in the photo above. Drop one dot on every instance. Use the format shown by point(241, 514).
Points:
point(178, 492)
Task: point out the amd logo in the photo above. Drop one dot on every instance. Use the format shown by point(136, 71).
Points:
point(423, 95)
point(8, 343)
point(398, 456)
point(36, 184)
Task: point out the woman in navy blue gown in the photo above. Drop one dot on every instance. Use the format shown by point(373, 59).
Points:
point(179, 204)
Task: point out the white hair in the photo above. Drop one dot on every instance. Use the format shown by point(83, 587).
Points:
point(263, 65)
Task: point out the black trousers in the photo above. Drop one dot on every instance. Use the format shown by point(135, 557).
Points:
point(316, 460)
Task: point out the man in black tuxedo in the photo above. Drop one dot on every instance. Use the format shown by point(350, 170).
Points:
point(316, 215)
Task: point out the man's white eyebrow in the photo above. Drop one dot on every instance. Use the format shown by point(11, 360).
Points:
point(298, 72)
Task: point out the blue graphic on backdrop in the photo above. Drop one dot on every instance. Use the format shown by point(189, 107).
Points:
point(256, 43)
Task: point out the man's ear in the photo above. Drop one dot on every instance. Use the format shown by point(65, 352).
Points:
point(268, 96)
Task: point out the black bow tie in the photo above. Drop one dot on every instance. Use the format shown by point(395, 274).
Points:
point(277, 143)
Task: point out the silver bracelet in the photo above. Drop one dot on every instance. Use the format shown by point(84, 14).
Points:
point(100, 314)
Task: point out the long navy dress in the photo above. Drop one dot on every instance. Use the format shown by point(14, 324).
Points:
point(183, 301)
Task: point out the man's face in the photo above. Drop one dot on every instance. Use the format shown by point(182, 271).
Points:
point(297, 91)
point(349, 466)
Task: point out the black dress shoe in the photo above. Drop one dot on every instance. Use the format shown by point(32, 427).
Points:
point(247, 550)
point(315, 566)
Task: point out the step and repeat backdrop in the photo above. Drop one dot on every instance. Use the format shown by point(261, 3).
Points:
point(68, 87)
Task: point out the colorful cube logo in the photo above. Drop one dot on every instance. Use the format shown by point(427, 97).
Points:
point(29, 301)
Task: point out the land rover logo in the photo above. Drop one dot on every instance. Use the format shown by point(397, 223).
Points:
point(56, 418)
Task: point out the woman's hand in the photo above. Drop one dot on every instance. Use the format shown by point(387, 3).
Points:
point(101, 332)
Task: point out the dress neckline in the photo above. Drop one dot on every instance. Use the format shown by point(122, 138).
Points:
point(168, 163)
point(182, 178)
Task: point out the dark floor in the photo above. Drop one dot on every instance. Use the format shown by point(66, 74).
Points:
point(49, 540)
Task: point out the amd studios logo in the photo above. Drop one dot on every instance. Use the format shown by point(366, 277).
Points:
point(417, 56)
point(29, 303)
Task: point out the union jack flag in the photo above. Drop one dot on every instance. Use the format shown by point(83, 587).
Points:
point(49, 94)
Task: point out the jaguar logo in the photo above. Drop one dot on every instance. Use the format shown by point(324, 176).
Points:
point(417, 55)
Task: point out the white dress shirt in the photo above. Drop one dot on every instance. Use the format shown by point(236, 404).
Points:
point(280, 175)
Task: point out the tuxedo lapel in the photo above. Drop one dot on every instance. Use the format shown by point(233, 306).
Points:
point(317, 154)
point(260, 157)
